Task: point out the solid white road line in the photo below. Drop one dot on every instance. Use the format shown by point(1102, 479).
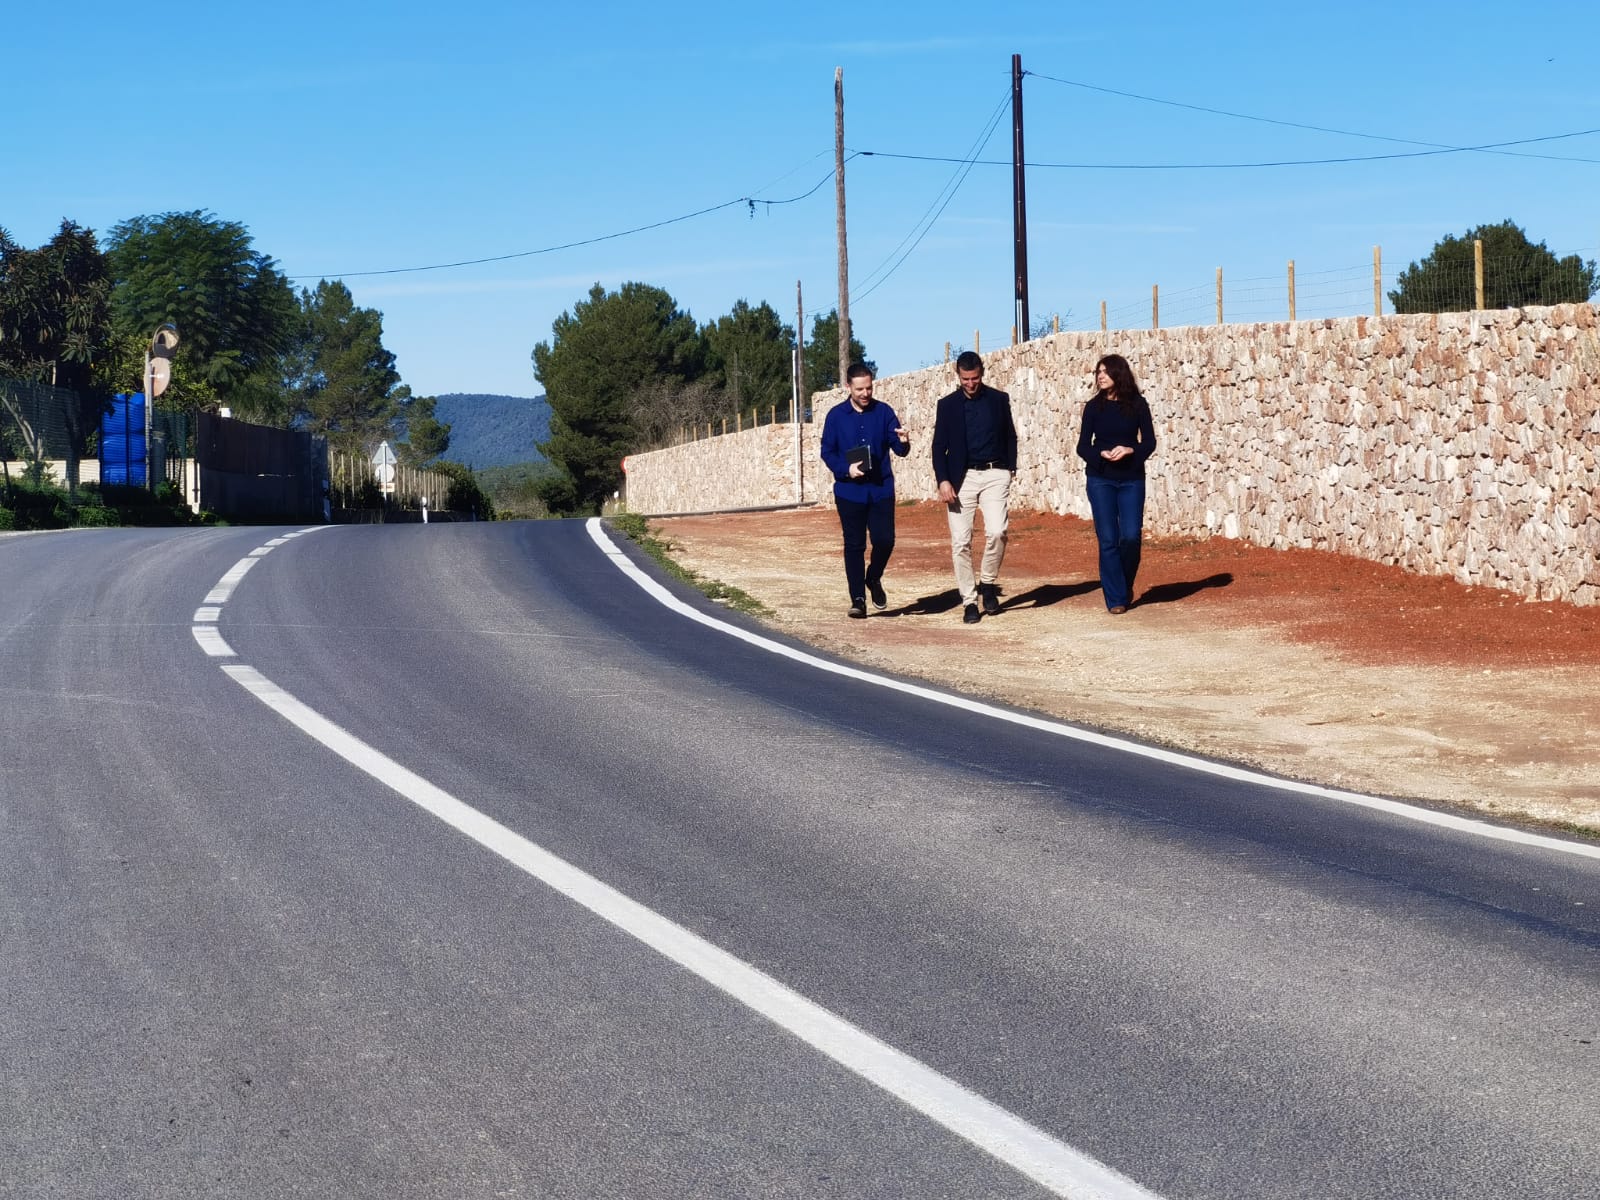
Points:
point(1410, 812)
point(1024, 1147)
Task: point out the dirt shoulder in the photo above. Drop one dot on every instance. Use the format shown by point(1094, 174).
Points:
point(1304, 663)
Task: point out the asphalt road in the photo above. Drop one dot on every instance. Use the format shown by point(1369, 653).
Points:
point(234, 961)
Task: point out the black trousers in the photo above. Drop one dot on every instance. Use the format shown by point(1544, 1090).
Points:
point(875, 517)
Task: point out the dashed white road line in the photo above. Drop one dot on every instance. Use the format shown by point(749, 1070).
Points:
point(211, 641)
point(1410, 812)
point(230, 580)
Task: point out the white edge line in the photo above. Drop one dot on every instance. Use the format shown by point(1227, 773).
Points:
point(1410, 812)
point(1007, 1137)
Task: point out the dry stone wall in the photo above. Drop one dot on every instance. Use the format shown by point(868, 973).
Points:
point(1460, 444)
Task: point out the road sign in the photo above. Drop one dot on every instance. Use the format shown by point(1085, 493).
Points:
point(384, 456)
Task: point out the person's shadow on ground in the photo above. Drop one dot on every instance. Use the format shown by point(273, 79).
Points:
point(940, 602)
point(1168, 593)
point(1039, 597)
point(1047, 594)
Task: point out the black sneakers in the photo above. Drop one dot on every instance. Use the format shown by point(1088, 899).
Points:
point(970, 614)
point(858, 607)
point(875, 590)
point(991, 599)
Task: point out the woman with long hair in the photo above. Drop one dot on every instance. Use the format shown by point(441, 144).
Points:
point(1115, 439)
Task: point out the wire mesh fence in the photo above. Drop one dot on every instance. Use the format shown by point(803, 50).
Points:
point(362, 490)
point(749, 418)
point(1456, 278)
point(38, 422)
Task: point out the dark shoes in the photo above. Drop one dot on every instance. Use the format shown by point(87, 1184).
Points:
point(990, 594)
point(875, 589)
point(970, 614)
point(1116, 610)
point(858, 607)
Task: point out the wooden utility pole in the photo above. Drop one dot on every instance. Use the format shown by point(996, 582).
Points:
point(844, 257)
point(799, 350)
point(1019, 202)
point(797, 401)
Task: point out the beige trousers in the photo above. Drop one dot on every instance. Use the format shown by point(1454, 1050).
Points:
point(986, 492)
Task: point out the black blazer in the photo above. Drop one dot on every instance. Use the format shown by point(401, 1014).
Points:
point(950, 433)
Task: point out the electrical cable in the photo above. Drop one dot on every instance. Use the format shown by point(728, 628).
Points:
point(1222, 112)
point(1225, 166)
point(926, 222)
point(473, 262)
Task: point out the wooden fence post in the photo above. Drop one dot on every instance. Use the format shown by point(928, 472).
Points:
point(1477, 272)
point(1291, 289)
point(1155, 306)
point(1377, 281)
point(1102, 316)
point(1219, 295)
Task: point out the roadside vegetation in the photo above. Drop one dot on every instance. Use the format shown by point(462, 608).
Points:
point(39, 504)
point(637, 529)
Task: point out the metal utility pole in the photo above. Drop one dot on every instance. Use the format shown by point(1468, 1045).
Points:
point(1019, 199)
point(844, 257)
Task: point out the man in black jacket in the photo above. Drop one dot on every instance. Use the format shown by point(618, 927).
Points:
point(974, 457)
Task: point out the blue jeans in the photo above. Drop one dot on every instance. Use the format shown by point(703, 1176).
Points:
point(857, 520)
point(1118, 508)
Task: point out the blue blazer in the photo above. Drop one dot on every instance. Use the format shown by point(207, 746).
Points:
point(950, 433)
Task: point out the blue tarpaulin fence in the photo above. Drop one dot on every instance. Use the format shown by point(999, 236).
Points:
point(122, 441)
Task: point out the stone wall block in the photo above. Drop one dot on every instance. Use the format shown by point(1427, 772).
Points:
point(1393, 439)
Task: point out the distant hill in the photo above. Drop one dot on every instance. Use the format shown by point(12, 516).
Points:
point(494, 431)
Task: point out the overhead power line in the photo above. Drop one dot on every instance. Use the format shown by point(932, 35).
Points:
point(1234, 166)
point(873, 279)
point(1222, 112)
point(751, 202)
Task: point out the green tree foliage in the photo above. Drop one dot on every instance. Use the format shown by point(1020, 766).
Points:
point(55, 308)
point(1516, 274)
point(515, 490)
point(822, 354)
point(55, 328)
point(234, 311)
point(425, 436)
point(464, 496)
point(605, 350)
point(345, 385)
point(748, 357)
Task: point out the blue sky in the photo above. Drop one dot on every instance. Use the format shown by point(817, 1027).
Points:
point(360, 138)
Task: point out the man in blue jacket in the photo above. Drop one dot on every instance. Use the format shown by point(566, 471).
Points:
point(974, 457)
point(858, 435)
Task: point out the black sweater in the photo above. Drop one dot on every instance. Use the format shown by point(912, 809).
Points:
point(1108, 423)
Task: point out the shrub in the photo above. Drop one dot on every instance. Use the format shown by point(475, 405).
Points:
point(96, 516)
point(8, 519)
point(42, 507)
